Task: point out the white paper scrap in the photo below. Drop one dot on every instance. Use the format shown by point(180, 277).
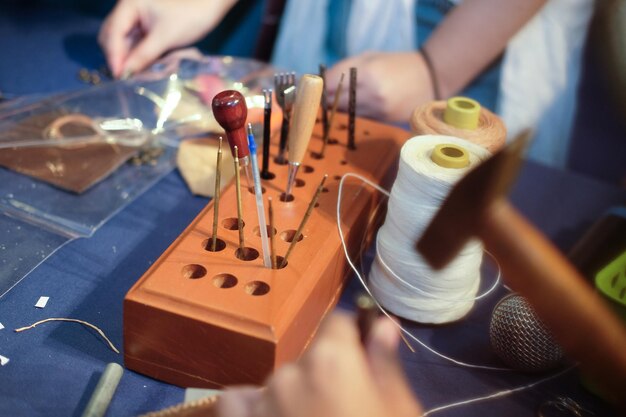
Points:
point(1, 326)
point(41, 303)
point(3, 360)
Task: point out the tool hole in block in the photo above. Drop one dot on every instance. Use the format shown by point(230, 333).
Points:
point(324, 190)
point(622, 293)
point(251, 190)
point(343, 162)
point(288, 236)
point(268, 175)
point(220, 245)
point(316, 155)
point(257, 288)
point(307, 169)
point(286, 198)
point(279, 262)
point(280, 161)
point(343, 126)
point(337, 177)
point(366, 132)
point(193, 271)
point(225, 281)
point(257, 231)
point(332, 141)
point(299, 183)
point(247, 254)
point(232, 223)
point(614, 280)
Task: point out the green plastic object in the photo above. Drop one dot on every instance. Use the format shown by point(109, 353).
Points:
point(611, 282)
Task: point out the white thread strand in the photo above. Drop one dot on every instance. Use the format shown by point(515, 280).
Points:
point(400, 277)
point(365, 286)
point(498, 394)
point(420, 290)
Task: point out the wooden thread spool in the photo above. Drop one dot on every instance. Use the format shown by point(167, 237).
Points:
point(461, 117)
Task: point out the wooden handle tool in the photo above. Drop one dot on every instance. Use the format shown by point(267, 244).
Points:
point(230, 111)
point(303, 119)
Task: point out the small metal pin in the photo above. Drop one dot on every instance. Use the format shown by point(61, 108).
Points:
point(325, 124)
point(352, 109)
point(267, 120)
point(309, 210)
point(216, 196)
point(332, 114)
point(242, 246)
point(272, 233)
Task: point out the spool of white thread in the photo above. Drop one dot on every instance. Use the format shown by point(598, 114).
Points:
point(400, 278)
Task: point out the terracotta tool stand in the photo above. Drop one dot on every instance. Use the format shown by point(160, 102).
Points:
point(209, 319)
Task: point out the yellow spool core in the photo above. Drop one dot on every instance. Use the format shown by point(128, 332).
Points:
point(448, 155)
point(462, 113)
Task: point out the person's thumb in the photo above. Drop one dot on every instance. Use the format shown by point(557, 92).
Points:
point(382, 347)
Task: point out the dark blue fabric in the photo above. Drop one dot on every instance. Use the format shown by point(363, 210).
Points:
point(54, 368)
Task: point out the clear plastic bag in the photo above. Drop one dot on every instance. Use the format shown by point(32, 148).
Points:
point(82, 141)
point(75, 159)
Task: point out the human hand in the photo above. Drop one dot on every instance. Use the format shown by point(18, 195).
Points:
point(138, 31)
point(336, 377)
point(390, 85)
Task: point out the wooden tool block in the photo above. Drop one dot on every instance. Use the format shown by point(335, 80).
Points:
point(209, 319)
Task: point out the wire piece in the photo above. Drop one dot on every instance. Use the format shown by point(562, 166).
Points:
point(84, 323)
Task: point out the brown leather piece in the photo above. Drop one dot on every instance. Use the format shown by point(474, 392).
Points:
point(73, 168)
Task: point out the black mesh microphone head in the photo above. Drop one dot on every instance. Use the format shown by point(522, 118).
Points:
point(520, 338)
